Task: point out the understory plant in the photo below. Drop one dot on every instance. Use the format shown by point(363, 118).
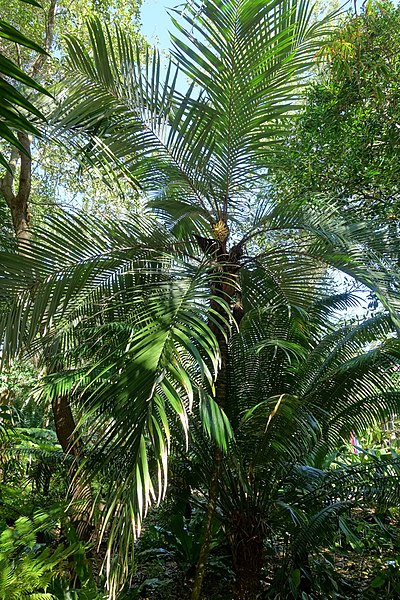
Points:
point(33, 569)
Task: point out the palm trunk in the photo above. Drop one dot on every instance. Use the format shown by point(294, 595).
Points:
point(227, 291)
point(246, 541)
point(247, 564)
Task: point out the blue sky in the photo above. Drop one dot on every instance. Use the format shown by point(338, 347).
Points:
point(156, 22)
point(156, 25)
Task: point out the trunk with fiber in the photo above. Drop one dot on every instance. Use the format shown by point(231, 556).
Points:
point(248, 557)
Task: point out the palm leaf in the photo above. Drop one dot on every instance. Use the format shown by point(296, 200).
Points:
point(249, 58)
point(247, 62)
point(11, 117)
point(122, 312)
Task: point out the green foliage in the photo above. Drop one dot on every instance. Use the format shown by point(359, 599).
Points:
point(206, 320)
point(288, 410)
point(386, 584)
point(57, 179)
point(345, 145)
point(13, 102)
point(204, 144)
point(16, 384)
point(150, 354)
point(30, 450)
point(168, 551)
point(178, 539)
point(26, 568)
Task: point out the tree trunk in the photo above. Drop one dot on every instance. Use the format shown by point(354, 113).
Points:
point(207, 532)
point(18, 203)
point(80, 492)
point(247, 564)
point(222, 287)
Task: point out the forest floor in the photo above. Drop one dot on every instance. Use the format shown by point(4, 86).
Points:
point(353, 572)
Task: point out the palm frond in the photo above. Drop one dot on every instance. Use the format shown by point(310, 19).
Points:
point(13, 103)
point(132, 114)
point(121, 314)
point(301, 239)
point(249, 58)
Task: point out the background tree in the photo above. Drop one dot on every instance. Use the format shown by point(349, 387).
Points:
point(346, 144)
point(14, 120)
point(46, 180)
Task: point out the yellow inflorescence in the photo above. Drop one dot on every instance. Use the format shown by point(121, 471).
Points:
point(220, 231)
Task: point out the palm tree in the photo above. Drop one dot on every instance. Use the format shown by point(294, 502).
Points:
point(137, 317)
point(298, 384)
point(129, 326)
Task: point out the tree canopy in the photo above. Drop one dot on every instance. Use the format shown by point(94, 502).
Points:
point(345, 146)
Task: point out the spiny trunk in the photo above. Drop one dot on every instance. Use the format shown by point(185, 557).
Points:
point(247, 532)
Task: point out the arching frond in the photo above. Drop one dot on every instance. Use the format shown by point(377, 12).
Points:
point(250, 58)
point(121, 315)
point(245, 62)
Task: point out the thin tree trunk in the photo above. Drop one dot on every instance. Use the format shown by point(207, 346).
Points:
point(18, 200)
point(208, 523)
point(48, 39)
